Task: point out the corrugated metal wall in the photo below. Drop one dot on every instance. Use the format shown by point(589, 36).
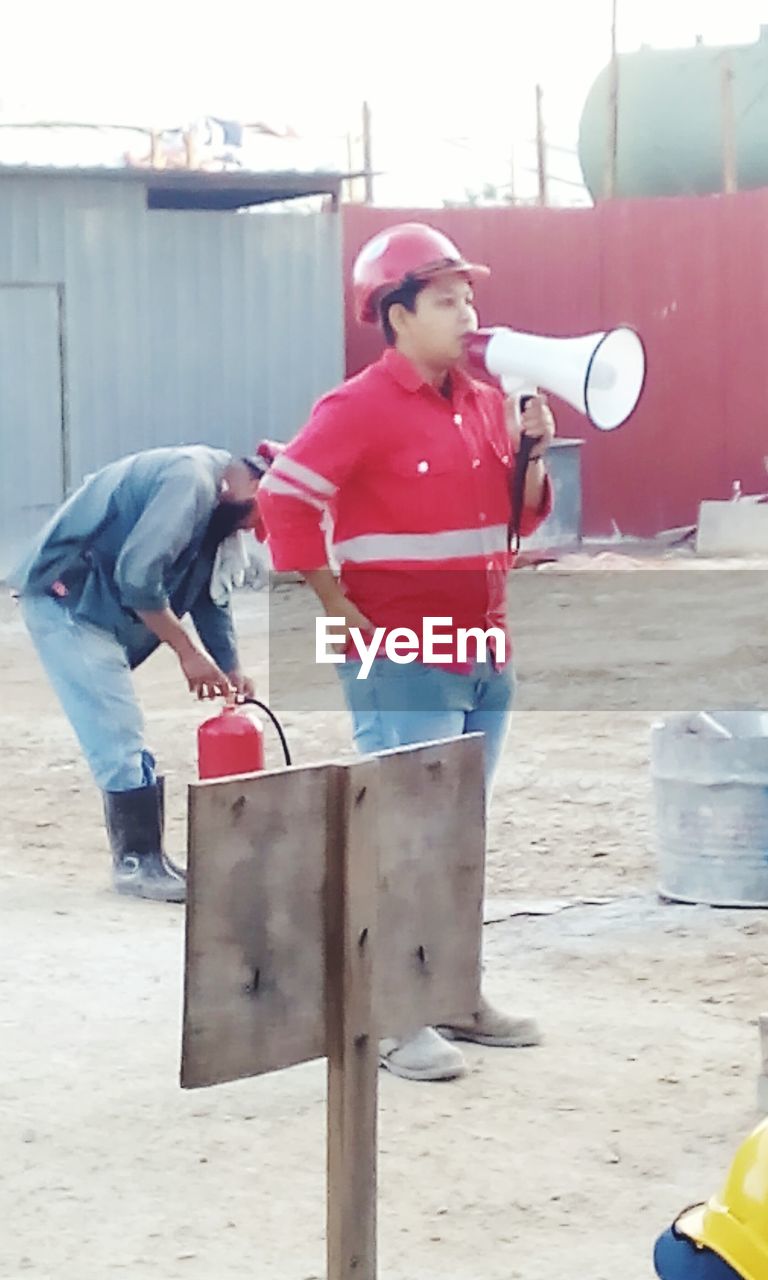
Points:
point(691, 275)
point(170, 327)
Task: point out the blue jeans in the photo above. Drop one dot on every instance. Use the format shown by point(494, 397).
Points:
point(401, 705)
point(91, 677)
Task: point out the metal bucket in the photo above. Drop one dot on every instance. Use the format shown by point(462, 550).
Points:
point(710, 782)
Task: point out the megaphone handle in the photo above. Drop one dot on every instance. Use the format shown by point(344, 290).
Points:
point(517, 483)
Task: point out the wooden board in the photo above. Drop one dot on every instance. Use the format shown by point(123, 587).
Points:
point(431, 876)
point(256, 913)
point(254, 983)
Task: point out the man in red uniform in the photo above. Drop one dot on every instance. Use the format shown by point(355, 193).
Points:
point(411, 461)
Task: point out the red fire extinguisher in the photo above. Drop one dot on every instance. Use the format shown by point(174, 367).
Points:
point(232, 742)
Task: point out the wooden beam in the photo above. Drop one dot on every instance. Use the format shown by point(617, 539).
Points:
point(352, 1041)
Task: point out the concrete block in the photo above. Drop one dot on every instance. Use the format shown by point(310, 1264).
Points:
point(732, 529)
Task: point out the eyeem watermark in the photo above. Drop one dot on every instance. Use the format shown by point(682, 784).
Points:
point(438, 642)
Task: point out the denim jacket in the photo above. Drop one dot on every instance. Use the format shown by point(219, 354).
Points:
point(132, 537)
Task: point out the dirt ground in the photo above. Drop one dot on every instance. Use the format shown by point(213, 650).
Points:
point(542, 1164)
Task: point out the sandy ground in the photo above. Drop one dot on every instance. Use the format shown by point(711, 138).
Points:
point(546, 1164)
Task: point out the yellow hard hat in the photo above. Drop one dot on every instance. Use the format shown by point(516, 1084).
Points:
point(734, 1224)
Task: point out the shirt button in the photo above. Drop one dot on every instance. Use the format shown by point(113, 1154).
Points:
point(457, 418)
point(489, 564)
point(422, 467)
point(483, 517)
point(475, 463)
point(505, 457)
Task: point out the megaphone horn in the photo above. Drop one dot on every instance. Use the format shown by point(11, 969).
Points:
point(600, 374)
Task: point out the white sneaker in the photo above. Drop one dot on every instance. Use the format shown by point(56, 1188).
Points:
point(423, 1056)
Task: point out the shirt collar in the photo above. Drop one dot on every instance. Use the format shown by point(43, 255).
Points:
point(400, 368)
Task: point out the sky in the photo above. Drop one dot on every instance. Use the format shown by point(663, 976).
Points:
point(451, 84)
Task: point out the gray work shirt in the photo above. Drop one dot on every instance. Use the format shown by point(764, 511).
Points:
point(132, 537)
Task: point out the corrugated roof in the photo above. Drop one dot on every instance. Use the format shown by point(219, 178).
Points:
point(196, 189)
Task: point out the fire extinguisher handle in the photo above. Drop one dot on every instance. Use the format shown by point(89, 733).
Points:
point(254, 702)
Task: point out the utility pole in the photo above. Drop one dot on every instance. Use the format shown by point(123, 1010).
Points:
point(350, 185)
point(541, 147)
point(730, 182)
point(367, 154)
point(612, 146)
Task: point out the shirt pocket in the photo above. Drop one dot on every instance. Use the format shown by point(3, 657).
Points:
point(419, 488)
point(420, 466)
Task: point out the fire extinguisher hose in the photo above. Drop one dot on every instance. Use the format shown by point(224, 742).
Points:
point(254, 702)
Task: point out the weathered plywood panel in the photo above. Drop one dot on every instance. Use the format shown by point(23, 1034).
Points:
point(267, 884)
point(431, 872)
point(254, 995)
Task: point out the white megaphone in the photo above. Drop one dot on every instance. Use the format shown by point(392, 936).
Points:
point(600, 374)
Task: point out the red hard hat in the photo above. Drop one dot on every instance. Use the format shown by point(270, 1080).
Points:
point(410, 251)
point(260, 461)
point(264, 455)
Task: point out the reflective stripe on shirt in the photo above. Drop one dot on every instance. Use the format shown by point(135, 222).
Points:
point(452, 544)
point(274, 484)
point(305, 476)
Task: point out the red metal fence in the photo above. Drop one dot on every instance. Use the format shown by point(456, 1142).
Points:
point(691, 275)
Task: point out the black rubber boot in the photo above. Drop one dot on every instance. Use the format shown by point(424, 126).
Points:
point(177, 870)
point(139, 866)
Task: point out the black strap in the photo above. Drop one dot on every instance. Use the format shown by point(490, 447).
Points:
point(517, 484)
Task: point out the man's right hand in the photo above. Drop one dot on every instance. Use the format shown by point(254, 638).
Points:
point(203, 676)
point(352, 618)
point(337, 605)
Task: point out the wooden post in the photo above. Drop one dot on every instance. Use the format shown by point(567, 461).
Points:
point(367, 153)
point(310, 938)
point(612, 144)
point(541, 147)
point(730, 183)
point(352, 1041)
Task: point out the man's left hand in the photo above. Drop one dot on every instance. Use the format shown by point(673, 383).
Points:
point(242, 685)
point(537, 422)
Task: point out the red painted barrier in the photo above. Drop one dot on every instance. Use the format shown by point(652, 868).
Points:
point(691, 275)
